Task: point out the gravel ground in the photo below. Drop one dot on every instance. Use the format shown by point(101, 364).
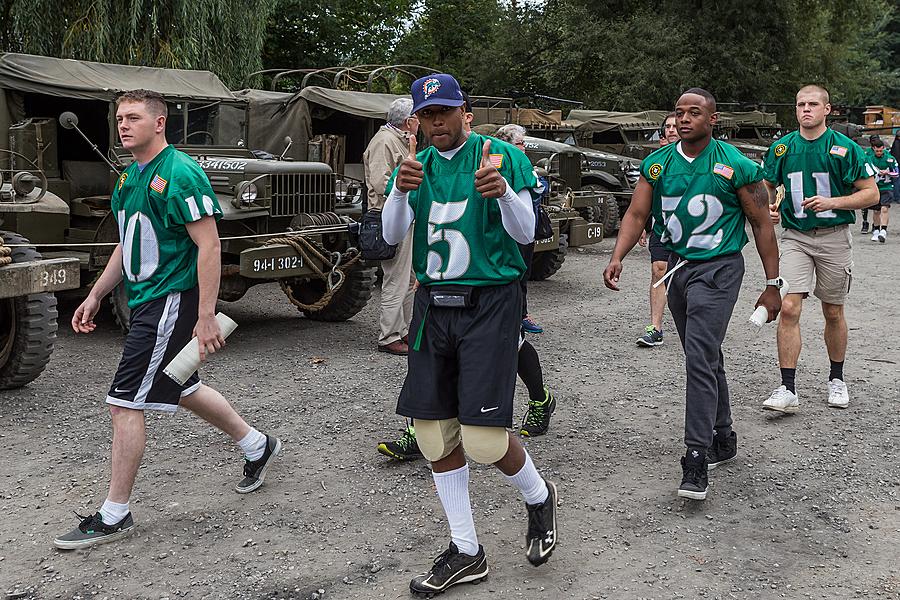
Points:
point(810, 510)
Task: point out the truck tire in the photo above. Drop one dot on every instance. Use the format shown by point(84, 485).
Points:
point(118, 301)
point(27, 327)
point(609, 216)
point(544, 264)
point(591, 214)
point(351, 298)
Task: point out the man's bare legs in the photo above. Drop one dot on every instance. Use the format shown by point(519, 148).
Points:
point(212, 407)
point(129, 438)
point(657, 294)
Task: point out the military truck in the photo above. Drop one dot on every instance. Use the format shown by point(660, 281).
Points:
point(279, 222)
point(636, 134)
point(753, 127)
point(342, 122)
point(28, 315)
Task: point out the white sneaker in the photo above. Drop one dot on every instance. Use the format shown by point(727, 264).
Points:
point(783, 400)
point(875, 235)
point(882, 236)
point(837, 394)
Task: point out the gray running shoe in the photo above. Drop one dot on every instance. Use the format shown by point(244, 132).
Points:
point(255, 471)
point(92, 531)
point(652, 337)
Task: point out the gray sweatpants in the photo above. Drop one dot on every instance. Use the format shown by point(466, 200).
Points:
point(701, 298)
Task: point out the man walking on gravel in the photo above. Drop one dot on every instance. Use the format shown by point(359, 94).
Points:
point(826, 176)
point(659, 256)
point(168, 259)
point(385, 151)
point(468, 199)
point(702, 191)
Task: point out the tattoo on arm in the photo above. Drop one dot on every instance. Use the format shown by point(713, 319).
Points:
point(759, 194)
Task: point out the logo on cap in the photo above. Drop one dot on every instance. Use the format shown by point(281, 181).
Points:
point(430, 87)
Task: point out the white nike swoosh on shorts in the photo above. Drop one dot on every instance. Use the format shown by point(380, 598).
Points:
point(118, 391)
point(484, 410)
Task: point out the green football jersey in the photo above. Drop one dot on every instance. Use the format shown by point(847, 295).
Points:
point(458, 235)
point(885, 162)
point(695, 205)
point(152, 207)
point(826, 166)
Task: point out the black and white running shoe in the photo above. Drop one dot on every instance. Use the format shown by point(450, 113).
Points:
point(723, 450)
point(450, 568)
point(92, 531)
point(695, 479)
point(255, 470)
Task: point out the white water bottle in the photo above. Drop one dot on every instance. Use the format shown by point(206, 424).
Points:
point(761, 314)
point(188, 360)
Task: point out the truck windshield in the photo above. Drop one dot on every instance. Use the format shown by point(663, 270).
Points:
point(205, 123)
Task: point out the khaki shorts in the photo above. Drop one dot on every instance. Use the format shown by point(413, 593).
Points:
point(826, 252)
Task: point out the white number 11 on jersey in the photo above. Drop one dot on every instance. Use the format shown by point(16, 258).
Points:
point(823, 188)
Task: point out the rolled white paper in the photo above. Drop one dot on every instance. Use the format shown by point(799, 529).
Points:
point(188, 360)
point(761, 314)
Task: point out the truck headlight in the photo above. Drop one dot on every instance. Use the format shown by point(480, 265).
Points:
point(245, 194)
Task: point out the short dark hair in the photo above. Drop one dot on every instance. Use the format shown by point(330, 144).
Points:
point(662, 126)
point(154, 101)
point(467, 105)
point(710, 99)
point(876, 142)
point(815, 87)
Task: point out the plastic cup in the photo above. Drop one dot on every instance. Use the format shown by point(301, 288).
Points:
point(188, 360)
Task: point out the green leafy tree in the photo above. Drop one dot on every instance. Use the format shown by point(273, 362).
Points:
point(223, 36)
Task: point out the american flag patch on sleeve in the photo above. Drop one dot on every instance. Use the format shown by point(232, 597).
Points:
point(496, 160)
point(839, 151)
point(158, 184)
point(723, 170)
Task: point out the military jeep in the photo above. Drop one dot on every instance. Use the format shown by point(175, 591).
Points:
point(279, 222)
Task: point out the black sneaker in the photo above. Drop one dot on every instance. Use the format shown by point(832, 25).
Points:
point(865, 227)
point(255, 470)
point(652, 337)
point(541, 538)
point(695, 479)
point(405, 448)
point(723, 450)
point(537, 418)
point(450, 567)
point(92, 531)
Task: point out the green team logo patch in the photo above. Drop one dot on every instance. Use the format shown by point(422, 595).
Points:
point(780, 149)
point(122, 180)
point(654, 170)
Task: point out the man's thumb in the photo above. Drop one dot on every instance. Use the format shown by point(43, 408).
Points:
point(485, 154)
point(412, 147)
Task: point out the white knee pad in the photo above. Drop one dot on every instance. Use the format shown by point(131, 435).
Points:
point(486, 445)
point(437, 439)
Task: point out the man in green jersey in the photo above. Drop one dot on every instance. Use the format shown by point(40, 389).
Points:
point(168, 260)
point(468, 199)
point(885, 171)
point(702, 191)
point(826, 176)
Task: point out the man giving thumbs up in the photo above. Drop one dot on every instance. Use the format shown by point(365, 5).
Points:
point(468, 200)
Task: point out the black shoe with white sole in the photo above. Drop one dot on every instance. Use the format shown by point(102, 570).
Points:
point(695, 479)
point(92, 531)
point(723, 450)
point(450, 568)
point(255, 470)
point(541, 538)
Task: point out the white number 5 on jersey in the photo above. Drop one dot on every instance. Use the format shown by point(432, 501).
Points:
point(459, 255)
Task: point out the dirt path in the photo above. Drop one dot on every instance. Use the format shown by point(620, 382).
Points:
point(810, 510)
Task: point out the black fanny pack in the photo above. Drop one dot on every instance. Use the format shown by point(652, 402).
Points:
point(371, 240)
point(452, 296)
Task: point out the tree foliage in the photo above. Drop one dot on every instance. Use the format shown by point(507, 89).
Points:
point(224, 36)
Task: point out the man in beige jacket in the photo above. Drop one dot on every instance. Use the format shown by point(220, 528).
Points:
point(387, 149)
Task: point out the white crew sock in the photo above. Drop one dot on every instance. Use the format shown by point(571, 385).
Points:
point(113, 512)
point(453, 490)
point(533, 488)
point(253, 444)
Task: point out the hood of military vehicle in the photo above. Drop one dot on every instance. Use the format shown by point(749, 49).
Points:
point(369, 105)
point(534, 143)
point(102, 81)
point(616, 117)
point(752, 117)
point(256, 166)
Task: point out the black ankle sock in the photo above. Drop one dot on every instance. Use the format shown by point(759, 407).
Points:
point(788, 376)
point(884, 227)
point(837, 371)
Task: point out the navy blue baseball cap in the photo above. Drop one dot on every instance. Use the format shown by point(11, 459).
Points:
point(436, 89)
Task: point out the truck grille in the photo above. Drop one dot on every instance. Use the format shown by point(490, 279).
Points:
point(295, 193)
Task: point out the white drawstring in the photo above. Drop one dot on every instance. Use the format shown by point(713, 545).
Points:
point(681, 262)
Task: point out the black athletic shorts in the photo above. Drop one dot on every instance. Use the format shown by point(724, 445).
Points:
point(159, 329)
point(466, 365)
point(658, 251)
